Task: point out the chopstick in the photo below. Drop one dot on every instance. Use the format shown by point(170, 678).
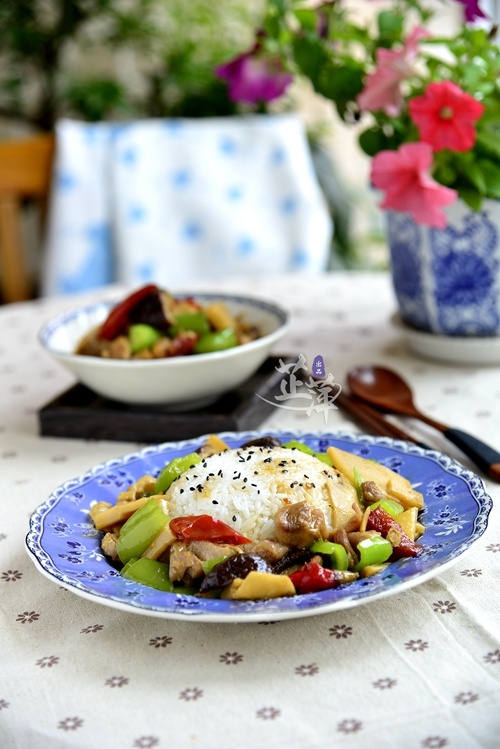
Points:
point(370, 418)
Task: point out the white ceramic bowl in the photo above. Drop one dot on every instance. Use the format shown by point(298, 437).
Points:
point(177, 381)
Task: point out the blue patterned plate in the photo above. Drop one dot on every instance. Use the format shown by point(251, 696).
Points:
point(65, 546)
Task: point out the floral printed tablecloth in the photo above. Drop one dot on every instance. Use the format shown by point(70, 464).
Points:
point(419, 669)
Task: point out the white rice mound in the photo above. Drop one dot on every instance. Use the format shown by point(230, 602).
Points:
point(245, 487)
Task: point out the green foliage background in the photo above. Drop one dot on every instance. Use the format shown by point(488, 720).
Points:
point(103, 59)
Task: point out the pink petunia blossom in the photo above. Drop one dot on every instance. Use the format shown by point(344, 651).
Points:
point(405, 178)
point(383, 87)
point(254, 78)
point(445, 116)
point(472, 11)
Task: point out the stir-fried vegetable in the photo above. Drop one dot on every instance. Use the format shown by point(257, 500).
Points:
point(206, 528)
point(173, 470)
point(119, 317)
point(312, 578)
point(150, 323)
point(200, 554)
point(141, 529)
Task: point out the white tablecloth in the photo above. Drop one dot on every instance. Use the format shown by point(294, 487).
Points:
point(420, 669)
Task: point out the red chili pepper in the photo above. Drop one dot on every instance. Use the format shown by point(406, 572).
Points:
point(380, 520)
point(313, 577)
point(205, 528)
point(118, 318)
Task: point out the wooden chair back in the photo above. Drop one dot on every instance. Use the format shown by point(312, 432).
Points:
point(25, 174)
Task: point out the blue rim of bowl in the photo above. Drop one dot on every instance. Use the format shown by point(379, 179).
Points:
point(455, 517)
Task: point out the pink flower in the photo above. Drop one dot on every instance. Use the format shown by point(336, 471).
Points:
point(383, 86)
point(472, 10)
point(445, 116)
point(254, 78)
point(409, 188)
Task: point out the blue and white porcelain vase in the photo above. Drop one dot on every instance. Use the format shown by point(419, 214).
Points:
point(447, 281)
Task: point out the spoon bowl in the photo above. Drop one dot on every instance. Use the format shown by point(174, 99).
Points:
point(388, 391)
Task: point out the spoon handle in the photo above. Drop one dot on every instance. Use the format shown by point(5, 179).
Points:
point(485, 457)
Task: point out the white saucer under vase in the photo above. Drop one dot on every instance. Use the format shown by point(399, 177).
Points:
point(463, 350)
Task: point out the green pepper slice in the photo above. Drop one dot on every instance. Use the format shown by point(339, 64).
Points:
point(392, 507)
point(374, 550)
point(358, 481)
point(142, 336)
point(308, 451)
point(211, 563)
point(173, 470)
point(195, 321)
point(149, 572)
point(220, 340)
point(333, 554)
point(141, 529)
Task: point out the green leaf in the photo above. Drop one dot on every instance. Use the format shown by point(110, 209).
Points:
point(340, 83)
point(306, 18)
point(476, 176)
point(445, 174)
point(374, 140)
point(95, 99)
point(491, 174)
point(471, 197)
point(489, 141)
point(309, 56)
point(390, 24)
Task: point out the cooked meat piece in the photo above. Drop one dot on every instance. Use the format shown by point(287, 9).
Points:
point(108, 545)
point(299, 524)
point(248, 333)
point(167, 303)
point(358, 536)
point(184, 565)
point(269, 550)
point(206, 550)
point(119, 348)
point(355, 520)
point(92, 345)
point(162, 348)
point(394, 536)
point(341, 537)
point(371, 492)
point(144, 353)
point(183, 344)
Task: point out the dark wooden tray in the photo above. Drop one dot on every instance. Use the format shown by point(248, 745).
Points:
point(80, 413)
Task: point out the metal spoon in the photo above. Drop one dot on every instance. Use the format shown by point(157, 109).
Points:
point(388, 391)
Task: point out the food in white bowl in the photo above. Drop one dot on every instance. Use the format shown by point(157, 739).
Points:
point(151, 323)
point(200, 376)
